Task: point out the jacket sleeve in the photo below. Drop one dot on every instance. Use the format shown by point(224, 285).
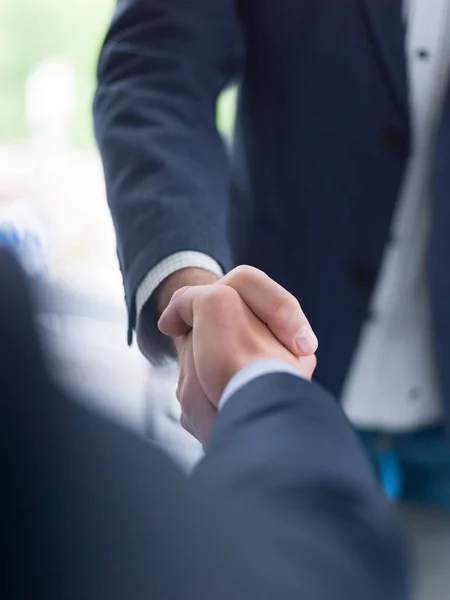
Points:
point(161, 69)
point(283, 507)
point(287, 468)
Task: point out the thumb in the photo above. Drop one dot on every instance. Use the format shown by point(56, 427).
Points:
point(178, 318)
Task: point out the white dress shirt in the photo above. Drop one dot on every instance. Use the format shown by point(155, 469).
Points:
point(391, 383)
point(256, 369)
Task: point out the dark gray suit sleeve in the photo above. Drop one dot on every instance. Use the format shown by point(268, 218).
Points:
point(88, 510)
point(161, 69)
point(283, 507)
point(287, 466)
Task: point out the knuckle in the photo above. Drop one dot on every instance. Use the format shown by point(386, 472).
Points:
point(242, 274)
point(179, 293)
point(218, 297)
point(283, 311)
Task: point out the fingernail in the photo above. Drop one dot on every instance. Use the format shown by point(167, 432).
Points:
point(306, 340)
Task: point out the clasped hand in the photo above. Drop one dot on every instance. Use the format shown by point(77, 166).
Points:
point(221, 328)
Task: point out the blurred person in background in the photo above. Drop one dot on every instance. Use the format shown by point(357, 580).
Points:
point(337, 187)
point(91, 510)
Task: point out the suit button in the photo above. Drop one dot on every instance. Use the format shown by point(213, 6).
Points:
point(361, 275)
point(394, 141)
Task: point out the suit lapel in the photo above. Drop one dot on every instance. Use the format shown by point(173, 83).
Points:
point(386, 27)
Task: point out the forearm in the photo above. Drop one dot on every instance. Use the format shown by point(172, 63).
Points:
point(161, 69)
point(284, 458)
point(314, 427)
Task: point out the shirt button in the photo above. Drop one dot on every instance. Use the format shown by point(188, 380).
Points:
point(423, 54)
point(394, 141)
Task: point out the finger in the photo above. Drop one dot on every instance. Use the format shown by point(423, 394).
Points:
point(184, 424)
point(178, 318)
point(187, 427)
point(307, 365)
point(198, 414)
point(275, 306)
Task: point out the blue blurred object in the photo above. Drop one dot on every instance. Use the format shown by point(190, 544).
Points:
point(9, 239)
point(391, 476)
point(412, 467)
point(25, 234)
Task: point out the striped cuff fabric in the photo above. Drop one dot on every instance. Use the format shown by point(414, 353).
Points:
point(170, 265)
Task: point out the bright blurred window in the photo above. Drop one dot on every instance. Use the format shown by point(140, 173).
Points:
point(48, 160)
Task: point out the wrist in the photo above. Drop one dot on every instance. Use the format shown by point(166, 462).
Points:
point(184, 277)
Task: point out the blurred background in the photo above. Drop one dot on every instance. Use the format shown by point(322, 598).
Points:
point(51, 183)
point(50, 174)
point(53, 211)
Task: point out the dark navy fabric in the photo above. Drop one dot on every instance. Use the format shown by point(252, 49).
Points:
point(89, 510)
point(319, 152)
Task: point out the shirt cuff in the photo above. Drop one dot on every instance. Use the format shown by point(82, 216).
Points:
point(253, 371)
point(170, 265)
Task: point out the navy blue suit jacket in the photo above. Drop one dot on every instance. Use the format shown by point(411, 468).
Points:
point(284, 504)
point(320, 148)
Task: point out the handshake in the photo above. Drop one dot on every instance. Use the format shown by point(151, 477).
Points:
point(222, 327)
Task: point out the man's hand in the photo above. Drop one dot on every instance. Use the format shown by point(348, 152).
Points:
point(226, 336)
point(271, 302)
point(178, 280)
point(184, 277)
